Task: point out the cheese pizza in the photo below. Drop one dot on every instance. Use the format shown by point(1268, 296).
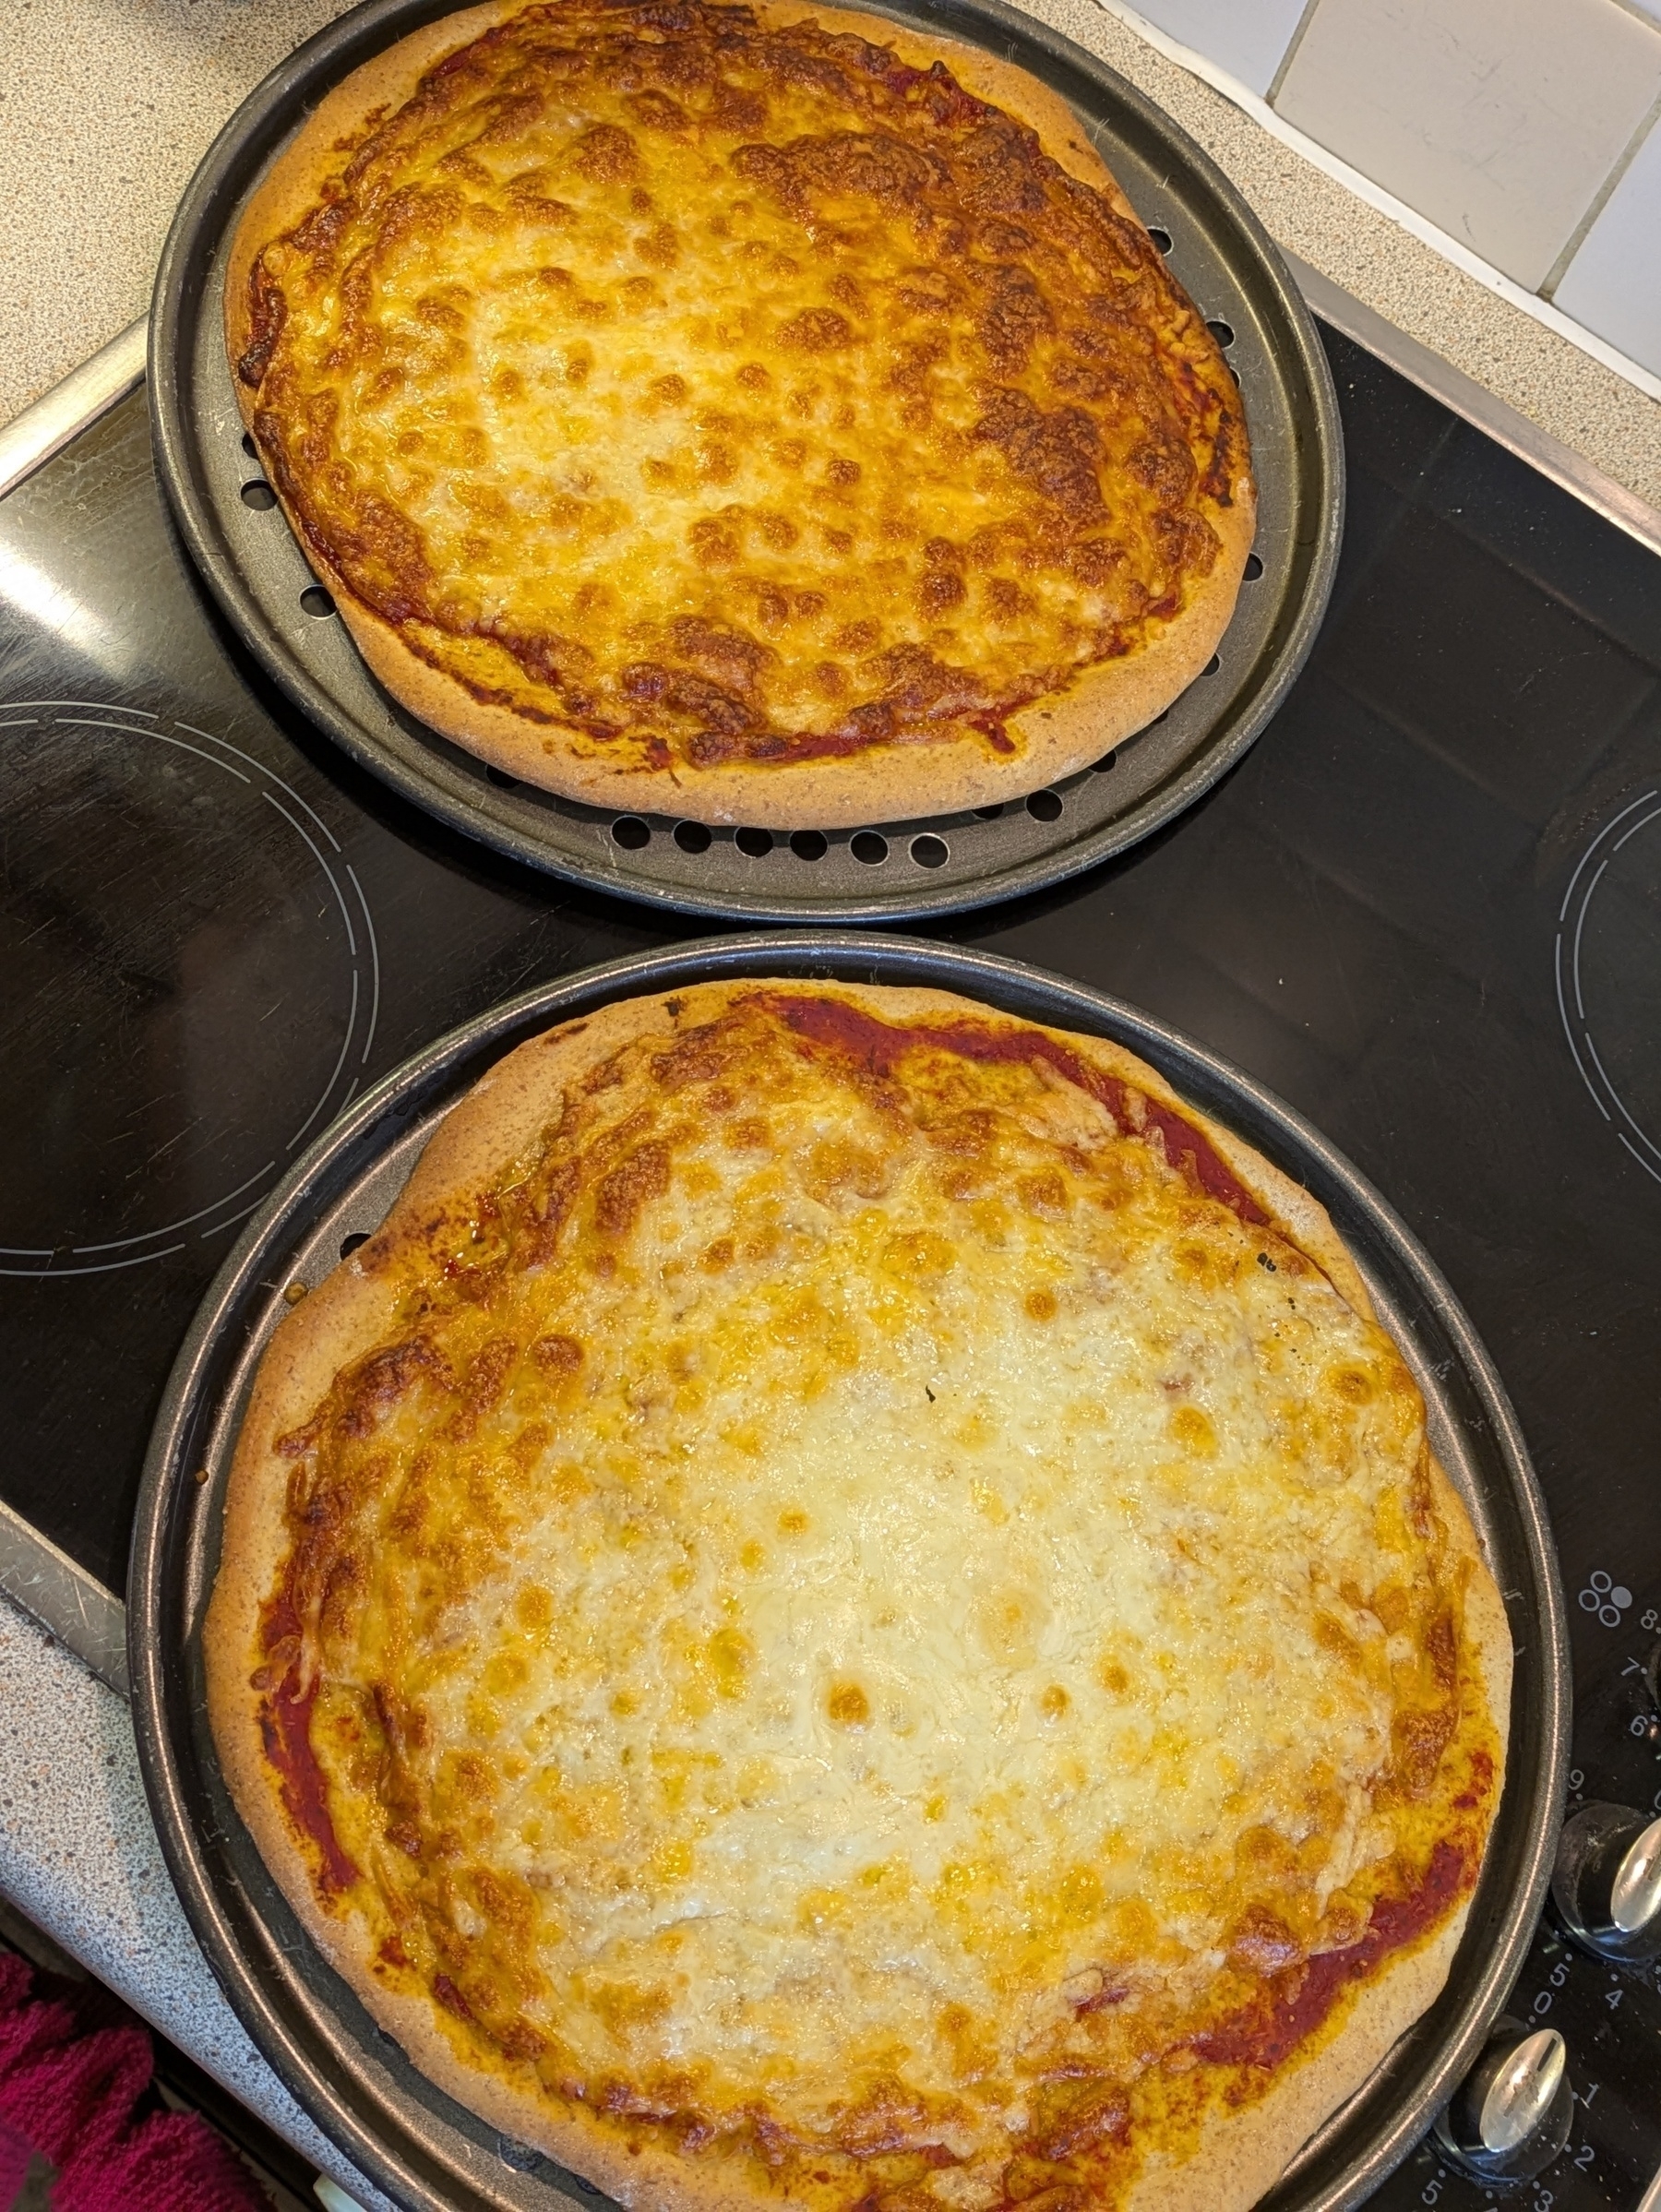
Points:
point(738, 412)
point(849, 1607)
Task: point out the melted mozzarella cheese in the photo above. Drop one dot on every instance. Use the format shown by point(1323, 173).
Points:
point(934, 1583)
point(698, 388)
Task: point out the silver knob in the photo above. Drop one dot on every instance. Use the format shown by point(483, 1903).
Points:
point(1606, 1884)
point(1511, 2116)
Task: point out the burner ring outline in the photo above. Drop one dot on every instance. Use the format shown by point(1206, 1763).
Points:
point(1566, 956)
point(137, 722)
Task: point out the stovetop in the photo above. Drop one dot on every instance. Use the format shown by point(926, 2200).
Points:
point(1425, 909)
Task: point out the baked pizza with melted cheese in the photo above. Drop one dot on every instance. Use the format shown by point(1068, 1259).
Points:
point(849, 1608)
point(737, 411)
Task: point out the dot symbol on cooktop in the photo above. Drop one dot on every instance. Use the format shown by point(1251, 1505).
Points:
point(195, 985)
point(1607, 956)
point(1605, 1597)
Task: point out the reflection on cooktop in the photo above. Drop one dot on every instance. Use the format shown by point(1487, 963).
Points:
point(1608, 975)
point(194, 984)
point(215, 930)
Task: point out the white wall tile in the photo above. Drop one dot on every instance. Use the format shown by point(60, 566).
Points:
point(1613, 284)
point(1245, 37)
point(1498, 119)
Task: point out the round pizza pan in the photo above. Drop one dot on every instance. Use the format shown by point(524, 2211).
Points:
point(245, 551)
point(421, 2148)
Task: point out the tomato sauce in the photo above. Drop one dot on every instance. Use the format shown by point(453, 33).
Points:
point(881, 1044)
point(1267, 2032)
point(285, 1726)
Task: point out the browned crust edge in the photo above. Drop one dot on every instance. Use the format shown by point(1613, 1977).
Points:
point(1240, 2154)
point(1107, 704)
point(289, 187)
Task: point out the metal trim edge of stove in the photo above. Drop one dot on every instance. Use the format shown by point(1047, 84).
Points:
point(306, 2023)
point(1496, 418)
point(48, 424)
point(68, 1603)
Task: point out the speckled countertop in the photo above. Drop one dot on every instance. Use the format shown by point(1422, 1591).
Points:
point(79, 1855)
point(107, 105)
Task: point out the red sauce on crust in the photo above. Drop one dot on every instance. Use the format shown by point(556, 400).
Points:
point(1481, 1783)
point(285, 1730)
point(450, 1997)
point(1294, 2003)
point(880, 1045)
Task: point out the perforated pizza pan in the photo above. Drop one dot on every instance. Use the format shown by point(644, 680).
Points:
point(242, 544)
point(416, 2144)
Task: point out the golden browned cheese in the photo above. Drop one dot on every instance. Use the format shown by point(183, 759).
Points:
point(709, 393)
point(875, 1623)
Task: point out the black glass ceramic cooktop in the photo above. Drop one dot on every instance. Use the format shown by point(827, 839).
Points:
point(1425, 909)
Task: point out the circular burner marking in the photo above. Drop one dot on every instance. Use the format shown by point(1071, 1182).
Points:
point(1608, 958)
point(122, 965)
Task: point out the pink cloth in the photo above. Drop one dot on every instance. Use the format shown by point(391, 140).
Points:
point(75, 2070)
point(15, 2156)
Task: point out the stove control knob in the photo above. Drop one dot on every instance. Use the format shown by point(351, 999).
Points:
point(1511, 2114)
point(1606, 1884)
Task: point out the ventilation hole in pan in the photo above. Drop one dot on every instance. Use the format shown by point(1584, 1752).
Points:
point(250, 447)
point(1106, 761)
point(1234, 372)
point(1212, 665)
point(930, 852)
point(502, 780)
point(350, 1244)
point(808, 844)
point(693, 837)
point(1162, 239)
point(987, 814)
point(1044, 805)
point(870, 848)
point(758, 843)
point(259, 496)
point(1254, 568)
point(316, 601)
point(1223, 333)
point(629, 832)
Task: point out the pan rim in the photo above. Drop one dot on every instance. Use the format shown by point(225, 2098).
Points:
point(189, 257)
point(1332, 2174)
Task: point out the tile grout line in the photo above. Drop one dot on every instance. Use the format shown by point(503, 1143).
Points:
point(1600, 200)
point(1290, 55)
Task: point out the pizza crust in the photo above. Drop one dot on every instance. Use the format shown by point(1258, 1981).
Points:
point(289, 188)
point(1239, 2153)
point(1106, 705)
point(1058, 735)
